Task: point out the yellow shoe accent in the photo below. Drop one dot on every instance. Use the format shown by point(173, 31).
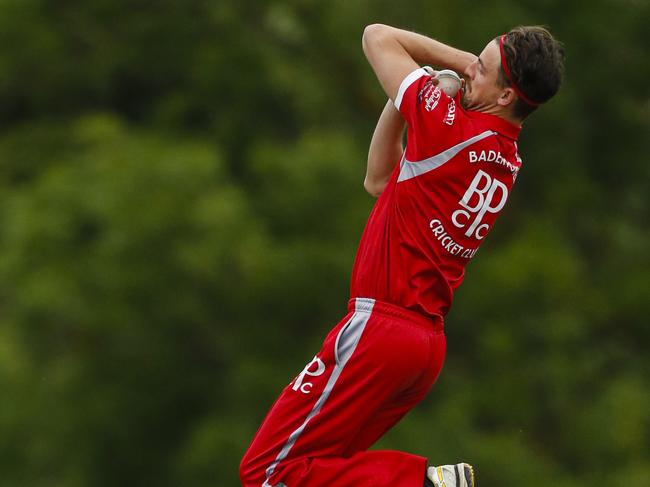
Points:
point(440, 477)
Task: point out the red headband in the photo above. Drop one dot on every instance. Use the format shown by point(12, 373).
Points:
point(504, 64)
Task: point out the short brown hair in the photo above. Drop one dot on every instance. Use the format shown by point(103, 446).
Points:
point(536, 63)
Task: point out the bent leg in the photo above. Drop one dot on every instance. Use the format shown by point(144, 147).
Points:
point(381, 468)
point(371, 370)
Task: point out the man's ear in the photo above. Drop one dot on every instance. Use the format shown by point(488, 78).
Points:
point(507, 97)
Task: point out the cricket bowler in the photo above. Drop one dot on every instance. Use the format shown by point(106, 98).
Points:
point(437, 200)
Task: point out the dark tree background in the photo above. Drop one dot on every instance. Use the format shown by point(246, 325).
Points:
point(182, 197)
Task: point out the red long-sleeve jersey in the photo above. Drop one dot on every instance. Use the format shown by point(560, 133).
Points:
point(454, 178)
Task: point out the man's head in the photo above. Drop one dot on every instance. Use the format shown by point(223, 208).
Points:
point(515, 73)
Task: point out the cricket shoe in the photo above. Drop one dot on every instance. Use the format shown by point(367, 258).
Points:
point(459, 475)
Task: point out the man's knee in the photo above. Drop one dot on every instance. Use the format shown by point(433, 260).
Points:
point(250, 474)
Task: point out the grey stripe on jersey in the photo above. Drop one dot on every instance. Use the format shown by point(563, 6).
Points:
point(413, 169)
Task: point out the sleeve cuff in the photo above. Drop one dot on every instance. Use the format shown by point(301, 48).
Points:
point(408, 81)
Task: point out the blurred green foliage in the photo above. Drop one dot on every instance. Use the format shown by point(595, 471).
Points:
point(182, 199)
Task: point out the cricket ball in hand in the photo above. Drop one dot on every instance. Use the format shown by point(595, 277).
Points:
point(449, 82)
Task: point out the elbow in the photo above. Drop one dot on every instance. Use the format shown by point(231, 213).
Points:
point(374, 187)
point(372, 34)
point(373, 30)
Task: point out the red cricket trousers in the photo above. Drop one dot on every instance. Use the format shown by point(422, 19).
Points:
point(374, 366)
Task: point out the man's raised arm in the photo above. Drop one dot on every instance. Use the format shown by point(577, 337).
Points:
point(395, 53)
point(385, 149)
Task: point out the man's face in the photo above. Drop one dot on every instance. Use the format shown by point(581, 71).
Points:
point(481, 86)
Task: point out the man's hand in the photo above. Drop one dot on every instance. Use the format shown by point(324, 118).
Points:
point(436, 80)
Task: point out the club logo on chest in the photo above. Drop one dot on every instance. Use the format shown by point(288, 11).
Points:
point(484, 195)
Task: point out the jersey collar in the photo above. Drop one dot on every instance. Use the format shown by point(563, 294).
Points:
point(499, 124)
